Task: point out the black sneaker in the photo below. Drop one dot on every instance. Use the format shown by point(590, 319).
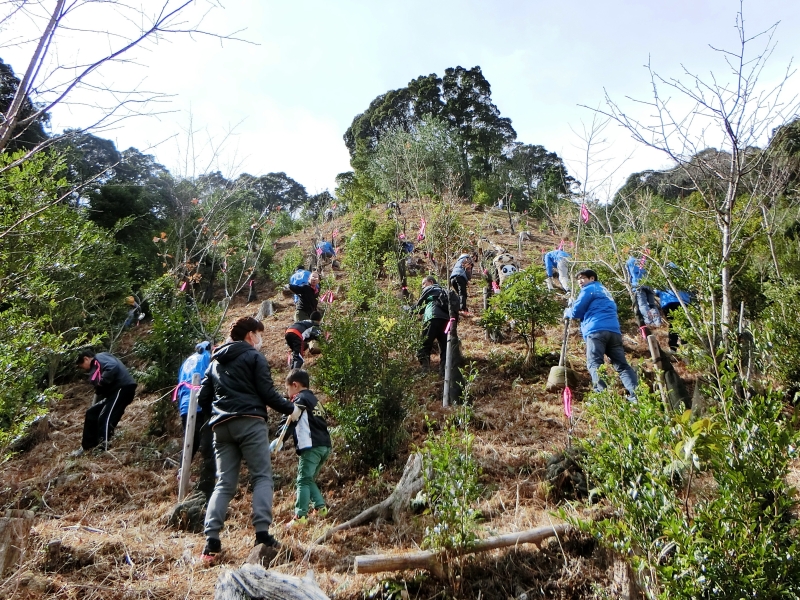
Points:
point(262, 537)
point(211, 551)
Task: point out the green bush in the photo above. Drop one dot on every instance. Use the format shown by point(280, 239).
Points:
point(282, 271)
point(176, 328)
point(735, 538)
point(525, 304)
point(363, 370)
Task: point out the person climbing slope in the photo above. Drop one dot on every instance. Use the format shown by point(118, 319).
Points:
point(459, 276)
point(299, 334)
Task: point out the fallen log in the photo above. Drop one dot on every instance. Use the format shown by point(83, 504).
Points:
point(410, 483)
point(435, 561)
point(254, 582)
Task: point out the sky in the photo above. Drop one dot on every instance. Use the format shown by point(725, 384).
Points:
point(282, 100)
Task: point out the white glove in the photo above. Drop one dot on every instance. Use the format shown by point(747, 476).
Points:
point(567, 313)
point(295, 416)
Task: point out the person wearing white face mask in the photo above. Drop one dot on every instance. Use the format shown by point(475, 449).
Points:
point(236, 391)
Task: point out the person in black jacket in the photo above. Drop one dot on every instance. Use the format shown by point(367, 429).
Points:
point(299, 334)
point(114, 391)
point(236, 391)
point(312, 442)
point(307, 297)
point(433, 303)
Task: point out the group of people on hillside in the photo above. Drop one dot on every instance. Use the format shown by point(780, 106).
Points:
point(235, 391)
point(237, 386)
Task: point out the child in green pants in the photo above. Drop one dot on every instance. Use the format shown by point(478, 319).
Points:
point(312, 443)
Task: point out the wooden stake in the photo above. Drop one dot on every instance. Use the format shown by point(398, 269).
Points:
point(188, 440)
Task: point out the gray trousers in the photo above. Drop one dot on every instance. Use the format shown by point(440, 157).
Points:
point(234, 439)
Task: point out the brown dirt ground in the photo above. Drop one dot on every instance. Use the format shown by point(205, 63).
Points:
point(110, 509)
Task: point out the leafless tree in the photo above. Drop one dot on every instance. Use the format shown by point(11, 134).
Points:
point(50, 78)
point(714, 136)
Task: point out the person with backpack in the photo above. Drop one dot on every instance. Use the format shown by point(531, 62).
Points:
point(597, 311)
point(306, 295)
point(557, 261)
point(299, 334)
point(459, 276)
point(433, 303)
point(236, 392)
point(669, 304)
point(114, 391)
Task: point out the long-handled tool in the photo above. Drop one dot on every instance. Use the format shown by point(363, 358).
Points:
point(277, 444)
point(560, 376)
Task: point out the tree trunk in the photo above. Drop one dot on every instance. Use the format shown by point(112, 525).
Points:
point(15, 527)
point(436, 561)
point(254, 582)
point(410, 483)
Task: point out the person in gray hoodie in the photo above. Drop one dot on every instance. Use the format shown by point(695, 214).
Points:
point(235, 392)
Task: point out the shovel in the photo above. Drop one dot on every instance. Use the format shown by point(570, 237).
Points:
point(561, 376)
point(276, 445)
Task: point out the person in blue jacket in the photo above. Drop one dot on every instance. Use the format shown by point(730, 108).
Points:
point(556, 261)
point(325, 249)
point(645, 299)
point(669, 304)
point(596, 309)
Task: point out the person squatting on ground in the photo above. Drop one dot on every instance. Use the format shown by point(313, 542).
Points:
point(312, 442)
point(236, 392)
point(557, 261)
point(325, 249)
point(203, 439)
point(645, 300)
point(596, 309)
point(299, 334)
point(433, 304)
point(459, 276)
point(305, 286)
point(114, 391)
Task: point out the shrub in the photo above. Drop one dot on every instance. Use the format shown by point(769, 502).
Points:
point(363, 371)
point(525, 304)
point(282, 271)
point(735, 538)
point(177, 326)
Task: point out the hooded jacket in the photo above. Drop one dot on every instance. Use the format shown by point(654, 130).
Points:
point(311, 430)
point(430, 305)
point(238, 383)
point(107, 374)
point(596, 309)
point(551, 260)
point(307, 296)
point(460, 270)
point(196, 363)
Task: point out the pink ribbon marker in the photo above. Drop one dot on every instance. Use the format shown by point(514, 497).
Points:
point(643, 331)
point(584, 213)
point(449, 325)
point(183, 286)
point(319, 251)
point(495, 287)
point(183, 384)
point(568, 402)
point(421, 234)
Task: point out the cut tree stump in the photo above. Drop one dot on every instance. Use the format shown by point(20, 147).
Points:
point(265, 310)
point(254, 582)
point(15, 527)
point(392, 508)
point(435, 562)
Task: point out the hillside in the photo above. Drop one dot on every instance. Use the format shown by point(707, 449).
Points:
point(109, 510)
